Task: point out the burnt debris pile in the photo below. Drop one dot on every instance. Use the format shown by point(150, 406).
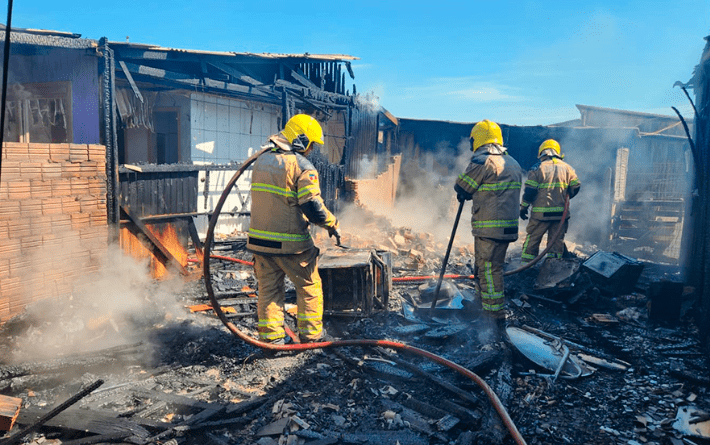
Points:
point(597, 348)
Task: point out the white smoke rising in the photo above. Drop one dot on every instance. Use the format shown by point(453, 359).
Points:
point(369, 101)
point(426, 201)
point(107, 308)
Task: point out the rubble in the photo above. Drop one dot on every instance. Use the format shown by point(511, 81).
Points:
point(631, 378)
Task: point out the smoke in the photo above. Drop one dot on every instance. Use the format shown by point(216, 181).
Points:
point(425, 202)
point(106, 308)
point(369, 101)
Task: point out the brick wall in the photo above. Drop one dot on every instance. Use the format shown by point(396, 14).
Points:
point(53, 225)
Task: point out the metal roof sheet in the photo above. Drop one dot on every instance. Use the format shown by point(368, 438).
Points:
point(319, 57)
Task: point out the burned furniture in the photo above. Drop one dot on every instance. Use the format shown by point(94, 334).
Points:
point(356, 282)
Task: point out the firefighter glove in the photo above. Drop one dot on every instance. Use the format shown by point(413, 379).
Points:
point(523, 213)
point(334, 232)
point(461, 198)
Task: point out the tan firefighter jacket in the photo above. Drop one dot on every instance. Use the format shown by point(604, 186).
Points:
point(492, 181)
point(284, 189)
point(549, 181)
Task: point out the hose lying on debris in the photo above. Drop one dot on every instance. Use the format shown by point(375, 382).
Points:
point(226, 258)
point(500, 409)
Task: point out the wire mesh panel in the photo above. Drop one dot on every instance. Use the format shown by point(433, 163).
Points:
point(652, 181)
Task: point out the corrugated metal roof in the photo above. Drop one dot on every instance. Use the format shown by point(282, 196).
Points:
point(583, 108)
point(41, 39)
point(320, 57)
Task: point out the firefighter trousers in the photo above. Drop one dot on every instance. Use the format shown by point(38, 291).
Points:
point(302, 270)
point(489, 257)
point(536, 230)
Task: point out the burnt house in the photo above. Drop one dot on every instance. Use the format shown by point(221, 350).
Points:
point(130, 142)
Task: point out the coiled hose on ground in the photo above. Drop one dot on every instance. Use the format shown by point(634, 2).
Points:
point(498, 406)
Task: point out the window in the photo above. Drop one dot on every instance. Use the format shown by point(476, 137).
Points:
point(39, 112)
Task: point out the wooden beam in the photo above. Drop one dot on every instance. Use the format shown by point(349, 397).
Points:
point(304, 80)
point(154, 240)
point(236, 73)
point(130, 80)
point(160, 73)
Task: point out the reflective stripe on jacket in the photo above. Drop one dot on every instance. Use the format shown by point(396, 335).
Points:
point(493, 180)
point(549, 181)
point(282, 181)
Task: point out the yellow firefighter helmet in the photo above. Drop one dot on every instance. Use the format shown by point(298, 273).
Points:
point(302, 130)
point(552, 145)
point(485, 132)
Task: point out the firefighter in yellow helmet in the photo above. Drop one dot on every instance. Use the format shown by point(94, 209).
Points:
point(492, 182)
point(548, 183)
point(286, 199)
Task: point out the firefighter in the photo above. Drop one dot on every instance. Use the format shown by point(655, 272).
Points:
point(492, 182)
point(286, 199)
point(549, 182)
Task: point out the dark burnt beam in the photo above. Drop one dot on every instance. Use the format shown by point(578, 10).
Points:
point(236, 74)
point(326, 97)
point(160, 73)
point(304, 80)
point(127, 73)
point(138, 223)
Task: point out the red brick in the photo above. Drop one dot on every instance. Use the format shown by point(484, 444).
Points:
point(16, 151)
point(4, 268)
point(18, 229)
point(78, 153)
point(39, 152)
point(31, 207)
point(10, 286)
point(70, 170)
point(80, 221)
point(30, 243)
point(10, 170)
point(51, 206)
point(18, 190)
point(61, 187)
point(51, 170)
point(89, 204)
point(9, 210)
point(20, 266)
point(98, 218)
point(71, 205)
point(41, 225)
point(79, 186)
point(41, 189)
point(59, 152)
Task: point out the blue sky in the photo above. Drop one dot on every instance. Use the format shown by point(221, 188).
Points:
point(516, 62)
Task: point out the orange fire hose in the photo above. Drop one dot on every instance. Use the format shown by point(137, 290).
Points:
point(500, 409)
point(226, 258)
point(431, 277)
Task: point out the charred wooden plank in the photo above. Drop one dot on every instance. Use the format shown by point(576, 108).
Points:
point(465, 395)
point(154, 240)
point(94, 422)
point(53, 413)
point(100, 438)
point(176, 399)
